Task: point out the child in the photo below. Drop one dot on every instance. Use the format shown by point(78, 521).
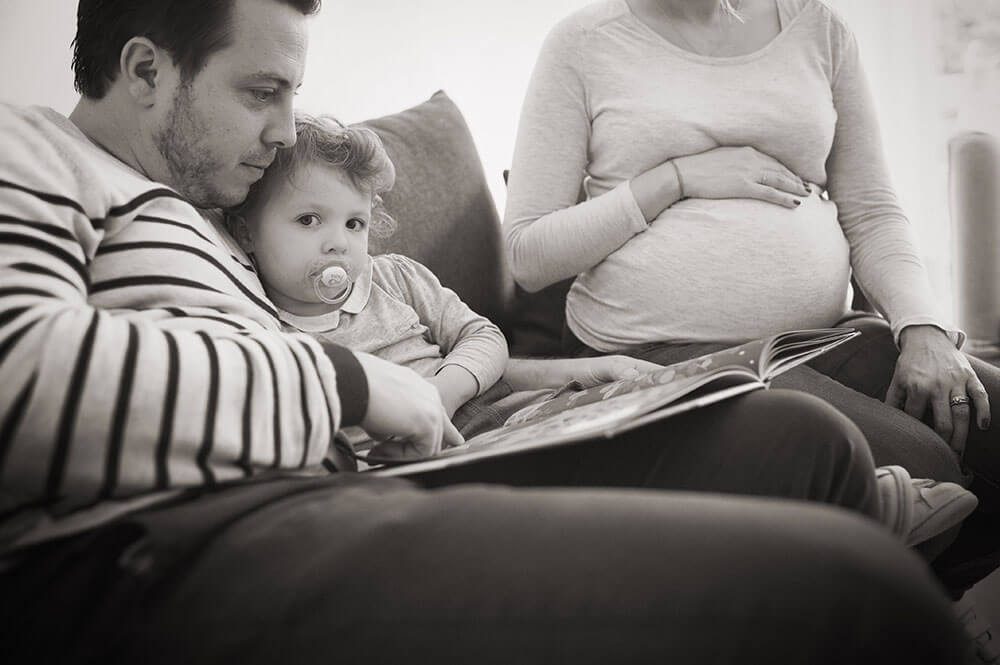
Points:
point(310, 216)
point(306, 224)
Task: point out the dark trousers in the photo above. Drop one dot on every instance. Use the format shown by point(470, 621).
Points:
point(374, 570)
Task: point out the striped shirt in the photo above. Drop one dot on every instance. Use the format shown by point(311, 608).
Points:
point(138, 351)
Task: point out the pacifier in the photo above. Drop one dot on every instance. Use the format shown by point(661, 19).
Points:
point(332, 285)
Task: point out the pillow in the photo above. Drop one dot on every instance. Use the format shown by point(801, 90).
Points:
point(445, 214)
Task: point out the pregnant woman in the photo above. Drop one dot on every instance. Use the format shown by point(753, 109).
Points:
point(733, 182)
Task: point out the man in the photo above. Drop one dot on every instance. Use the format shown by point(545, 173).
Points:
point(160, 438)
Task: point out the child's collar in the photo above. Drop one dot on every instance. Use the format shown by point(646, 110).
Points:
point(362, 290)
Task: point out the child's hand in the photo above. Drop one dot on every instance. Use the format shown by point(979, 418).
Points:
point(604, 369)
point(534, 373)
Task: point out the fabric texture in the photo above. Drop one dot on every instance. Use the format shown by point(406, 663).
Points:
point(476, 574)
point(609, 99)
point(443, 205)
point(138, 351)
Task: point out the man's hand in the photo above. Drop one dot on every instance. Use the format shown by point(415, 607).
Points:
point(932, 373)
point(406, 410)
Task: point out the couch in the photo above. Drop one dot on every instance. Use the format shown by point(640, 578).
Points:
point(444, 210)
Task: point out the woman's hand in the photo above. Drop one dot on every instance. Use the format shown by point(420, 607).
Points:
point(727, 173)
point(931, 372)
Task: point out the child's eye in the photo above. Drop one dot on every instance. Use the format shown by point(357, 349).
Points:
point(355, 224)
point(309, 220)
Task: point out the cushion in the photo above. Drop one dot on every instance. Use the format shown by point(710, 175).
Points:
point(445, 214)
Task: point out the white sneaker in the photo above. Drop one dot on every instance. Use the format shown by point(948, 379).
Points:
point(920, 509)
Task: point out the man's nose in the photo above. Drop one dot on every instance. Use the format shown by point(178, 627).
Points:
point(280, 129)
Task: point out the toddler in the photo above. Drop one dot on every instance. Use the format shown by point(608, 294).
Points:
point(306, 225)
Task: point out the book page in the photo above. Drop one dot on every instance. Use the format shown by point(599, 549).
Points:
point(678, 379)
point(795, 347)
point(605, 419)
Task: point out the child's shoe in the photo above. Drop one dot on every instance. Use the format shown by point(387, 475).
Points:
point(920, 509)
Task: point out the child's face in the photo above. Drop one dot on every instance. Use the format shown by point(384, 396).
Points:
point(317, 220)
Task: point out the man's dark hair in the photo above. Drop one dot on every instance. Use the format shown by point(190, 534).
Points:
point(189, 30)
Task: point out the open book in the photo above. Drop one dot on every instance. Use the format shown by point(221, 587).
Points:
point(610, 409)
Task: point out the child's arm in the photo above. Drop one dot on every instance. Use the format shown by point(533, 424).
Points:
point(534, 373)
point(474, 350)
point(456, 386)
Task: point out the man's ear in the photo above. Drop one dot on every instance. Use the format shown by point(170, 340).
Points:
point(241, 232)
point(143, 67)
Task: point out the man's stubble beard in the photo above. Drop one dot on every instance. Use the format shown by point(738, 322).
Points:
point(192, 167)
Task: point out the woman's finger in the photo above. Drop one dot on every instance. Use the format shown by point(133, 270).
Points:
point(785, 182)
point(916, 404)
point(895, 396)
point(943, 414)
point(981, 400)
point(960, 416)
point(772, 195)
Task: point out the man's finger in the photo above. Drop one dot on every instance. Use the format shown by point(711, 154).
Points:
point(452, 437)
point(397, 449)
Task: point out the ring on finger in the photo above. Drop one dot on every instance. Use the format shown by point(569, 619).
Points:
point(958, 400)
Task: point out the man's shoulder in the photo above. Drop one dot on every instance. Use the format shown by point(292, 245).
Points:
point(47, 154)
point(50, 158)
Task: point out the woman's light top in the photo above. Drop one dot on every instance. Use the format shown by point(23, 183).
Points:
point(610, 98)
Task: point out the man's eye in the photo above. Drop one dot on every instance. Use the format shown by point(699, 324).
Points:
point(263, 94)
point(308, 220)
point(356, 224)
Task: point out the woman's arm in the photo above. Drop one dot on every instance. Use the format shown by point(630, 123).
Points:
point(930, 370)
point(549, 235)
point(884, 256)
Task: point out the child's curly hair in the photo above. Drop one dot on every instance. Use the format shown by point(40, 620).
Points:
point(355, 151)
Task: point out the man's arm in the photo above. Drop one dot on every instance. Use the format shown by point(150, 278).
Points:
point(97, 403)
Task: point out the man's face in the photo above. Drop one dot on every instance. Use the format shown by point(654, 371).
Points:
point(316, 220)
point(225, 124)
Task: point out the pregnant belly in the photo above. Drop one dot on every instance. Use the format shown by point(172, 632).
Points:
point(722, 270)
